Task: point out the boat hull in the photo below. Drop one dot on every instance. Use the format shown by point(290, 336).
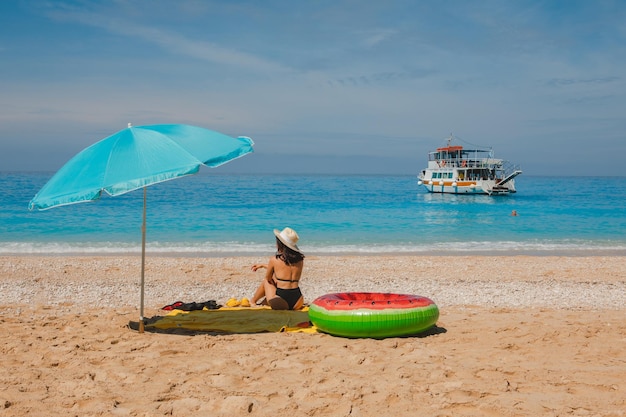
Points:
point(478, 187)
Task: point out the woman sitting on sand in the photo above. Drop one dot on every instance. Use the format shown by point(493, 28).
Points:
point(280, 285)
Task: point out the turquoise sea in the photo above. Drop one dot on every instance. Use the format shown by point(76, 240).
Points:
point(217, 215)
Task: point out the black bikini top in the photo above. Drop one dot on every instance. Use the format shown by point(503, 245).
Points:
point(285, 280)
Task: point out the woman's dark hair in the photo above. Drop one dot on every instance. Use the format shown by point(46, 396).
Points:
point(287, 255)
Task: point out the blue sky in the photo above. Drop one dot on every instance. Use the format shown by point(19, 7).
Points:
point(321, 86)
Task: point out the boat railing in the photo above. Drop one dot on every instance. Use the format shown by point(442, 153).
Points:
point(509, 168)
point(473, 160)
point(467, 163)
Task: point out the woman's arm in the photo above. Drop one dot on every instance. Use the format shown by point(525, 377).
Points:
point(269, 267)
point(269, 271)
point(256, 267)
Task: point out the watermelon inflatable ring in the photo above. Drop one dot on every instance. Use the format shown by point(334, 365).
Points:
point(370, 314)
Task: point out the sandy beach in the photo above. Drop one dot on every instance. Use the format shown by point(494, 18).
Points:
point(517, 336)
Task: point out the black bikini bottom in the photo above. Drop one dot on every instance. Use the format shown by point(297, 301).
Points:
point(291, 295)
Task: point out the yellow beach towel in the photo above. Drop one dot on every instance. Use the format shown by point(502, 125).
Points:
point(237, 320)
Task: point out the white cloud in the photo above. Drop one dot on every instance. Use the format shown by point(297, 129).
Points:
point(173, 42)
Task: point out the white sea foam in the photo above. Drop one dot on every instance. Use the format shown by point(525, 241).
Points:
point(254, 249)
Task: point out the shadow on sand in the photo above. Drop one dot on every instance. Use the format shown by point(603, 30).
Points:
point(134, 325)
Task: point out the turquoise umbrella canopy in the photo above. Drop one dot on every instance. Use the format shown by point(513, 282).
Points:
point(134, 158)
point(137, 157)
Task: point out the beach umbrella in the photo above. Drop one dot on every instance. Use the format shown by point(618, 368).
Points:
point(134, 158)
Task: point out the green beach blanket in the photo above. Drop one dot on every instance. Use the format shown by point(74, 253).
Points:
point(236, 320)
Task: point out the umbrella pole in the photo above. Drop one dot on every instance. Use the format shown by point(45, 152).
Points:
point(143, 260)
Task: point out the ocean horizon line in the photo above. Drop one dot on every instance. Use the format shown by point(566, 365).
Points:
point(205, 171)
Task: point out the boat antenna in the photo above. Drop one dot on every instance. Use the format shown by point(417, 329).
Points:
point(449, 139)
point(471, 144)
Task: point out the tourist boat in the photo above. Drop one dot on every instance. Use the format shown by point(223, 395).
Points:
point(456, 170)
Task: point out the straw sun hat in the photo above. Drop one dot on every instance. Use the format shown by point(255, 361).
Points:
point(289, 237)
